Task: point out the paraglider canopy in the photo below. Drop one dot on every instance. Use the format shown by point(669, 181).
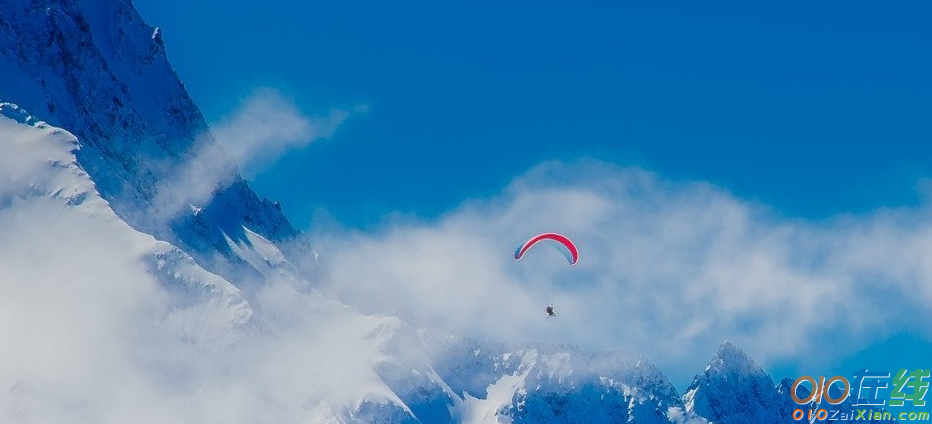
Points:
point(563, 244)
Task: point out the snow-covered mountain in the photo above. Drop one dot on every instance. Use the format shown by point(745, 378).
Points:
point(41, 175)
point(144, 281)
point(95, 68)
point(734, 389)
point(142, 277)
point(567, 385)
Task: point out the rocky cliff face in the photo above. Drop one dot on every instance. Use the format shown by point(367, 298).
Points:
point(97, 69)
point(733, 389)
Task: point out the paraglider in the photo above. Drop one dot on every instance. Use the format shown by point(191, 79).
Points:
point(562, 243)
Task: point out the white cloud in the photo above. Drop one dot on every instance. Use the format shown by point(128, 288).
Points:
point(263, 128)
point(667, 269)
point(267, 124)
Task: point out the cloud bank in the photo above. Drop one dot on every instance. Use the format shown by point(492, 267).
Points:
point(668, 269)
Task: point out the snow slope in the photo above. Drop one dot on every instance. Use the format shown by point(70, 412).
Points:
point(62, 301)
point(40, 174)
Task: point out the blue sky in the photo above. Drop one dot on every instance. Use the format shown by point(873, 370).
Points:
point(812, 109)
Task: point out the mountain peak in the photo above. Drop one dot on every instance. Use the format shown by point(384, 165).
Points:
point(730, 359)
point(727, 345)
point(733, 388)
point(729, 350)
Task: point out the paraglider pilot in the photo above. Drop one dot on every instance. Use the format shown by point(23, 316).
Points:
point(550, 313)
